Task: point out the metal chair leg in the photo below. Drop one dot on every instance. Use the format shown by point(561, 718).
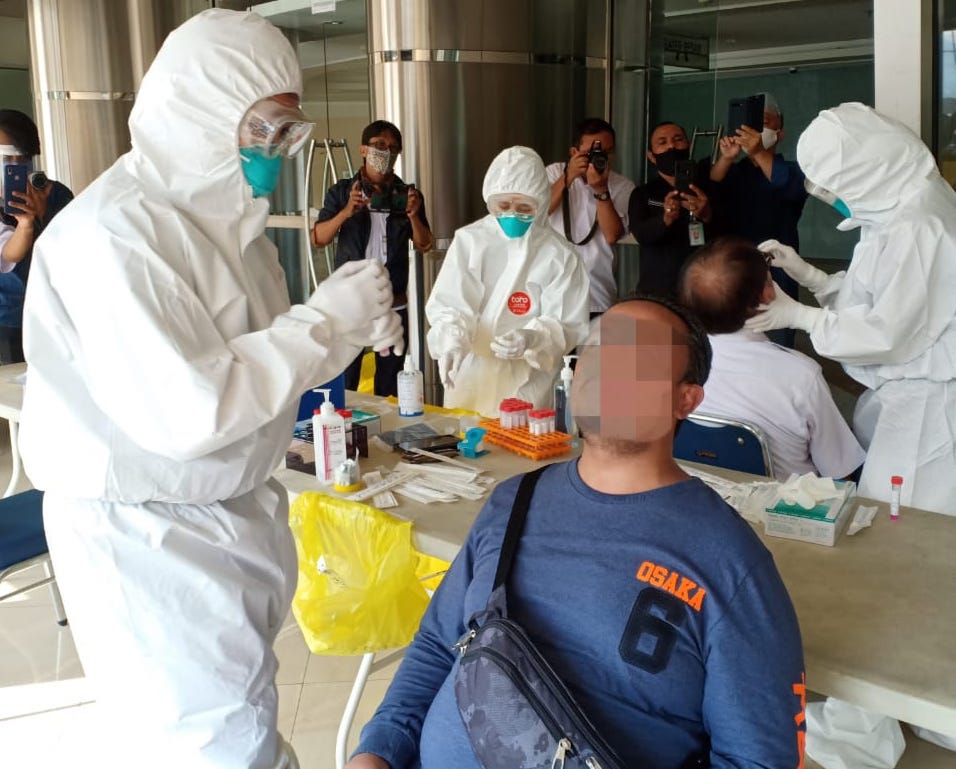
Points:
point(61, 619)
point(345, 725)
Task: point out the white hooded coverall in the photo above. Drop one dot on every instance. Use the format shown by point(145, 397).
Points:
point(891, 318)
point(165, 367)
point(490, 284)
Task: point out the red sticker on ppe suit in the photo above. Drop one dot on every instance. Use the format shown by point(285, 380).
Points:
point(519, 303)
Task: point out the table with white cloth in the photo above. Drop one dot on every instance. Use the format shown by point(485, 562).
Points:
point(877, 611)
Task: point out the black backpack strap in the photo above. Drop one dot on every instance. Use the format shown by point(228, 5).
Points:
point(519, 511)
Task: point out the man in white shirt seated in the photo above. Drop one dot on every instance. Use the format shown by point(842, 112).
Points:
point(776, 389)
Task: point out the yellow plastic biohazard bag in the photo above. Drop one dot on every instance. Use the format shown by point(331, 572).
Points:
point(362, 586)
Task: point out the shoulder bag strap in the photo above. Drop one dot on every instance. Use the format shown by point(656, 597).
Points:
point(519, 511)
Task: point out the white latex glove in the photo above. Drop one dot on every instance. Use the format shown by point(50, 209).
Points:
point(356, 293)
point(785, 312)
point(793, 264)
point(514, 344)
point(448, 365)
point(381, 334)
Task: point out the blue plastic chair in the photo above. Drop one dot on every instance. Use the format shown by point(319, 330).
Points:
point(23, 545)
point(723, 442)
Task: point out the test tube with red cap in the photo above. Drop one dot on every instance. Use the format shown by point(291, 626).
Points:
point(896, 486)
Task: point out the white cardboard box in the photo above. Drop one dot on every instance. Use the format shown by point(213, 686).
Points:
point(821, 525)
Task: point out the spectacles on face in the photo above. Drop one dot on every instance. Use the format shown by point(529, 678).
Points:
point(384, 145)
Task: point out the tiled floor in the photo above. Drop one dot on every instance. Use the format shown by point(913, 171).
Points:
point(46, 708)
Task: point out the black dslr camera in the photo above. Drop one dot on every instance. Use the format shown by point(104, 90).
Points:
point(597, 157)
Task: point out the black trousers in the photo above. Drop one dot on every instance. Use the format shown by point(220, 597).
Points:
point(386, 366)
point(11, 345)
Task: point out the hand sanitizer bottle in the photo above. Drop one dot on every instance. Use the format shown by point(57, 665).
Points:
point(328, 436)
point(563, 421)
point(411, 390)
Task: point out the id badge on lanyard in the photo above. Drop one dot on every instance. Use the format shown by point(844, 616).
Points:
point(695, 231)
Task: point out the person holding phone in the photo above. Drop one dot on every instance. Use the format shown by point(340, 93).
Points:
point(672, 215)
point(375, 214)
point(26, 212)
point(763, 196)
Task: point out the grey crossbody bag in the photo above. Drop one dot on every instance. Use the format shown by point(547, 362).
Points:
point(518, 713)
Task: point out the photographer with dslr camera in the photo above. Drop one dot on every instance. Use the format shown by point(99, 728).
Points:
point(375, 214)
point(670, 216)
point(589, 206)
point(24, 217)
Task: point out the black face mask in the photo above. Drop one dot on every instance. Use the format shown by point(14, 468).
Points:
point(666, 160)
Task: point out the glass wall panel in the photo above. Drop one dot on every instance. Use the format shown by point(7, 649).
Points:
point(946, 89)
point(810, 54)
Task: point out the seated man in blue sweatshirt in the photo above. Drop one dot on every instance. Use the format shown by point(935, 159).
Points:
point(653, 600)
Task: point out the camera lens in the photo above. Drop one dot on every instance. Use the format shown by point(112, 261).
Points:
point(39, 180)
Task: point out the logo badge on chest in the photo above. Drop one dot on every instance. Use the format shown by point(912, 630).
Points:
point(519, 303)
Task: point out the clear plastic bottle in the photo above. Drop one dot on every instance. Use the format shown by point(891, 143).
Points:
point(328, 436)
point(411, 390)
point(563, 420)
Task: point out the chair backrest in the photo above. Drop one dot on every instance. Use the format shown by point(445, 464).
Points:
point(723, 442)
point(21, 528)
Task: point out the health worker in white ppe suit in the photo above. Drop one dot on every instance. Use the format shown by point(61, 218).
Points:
point(165, 368)
point(511, 297)
point(890, 319)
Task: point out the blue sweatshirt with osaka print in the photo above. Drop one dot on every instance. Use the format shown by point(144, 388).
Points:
point(662, 612)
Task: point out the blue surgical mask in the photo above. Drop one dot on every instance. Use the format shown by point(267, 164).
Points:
point(842, 207)
point(260, 171)
point(514, 225)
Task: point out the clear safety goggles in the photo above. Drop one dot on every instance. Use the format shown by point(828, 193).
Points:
point(276, 129)
point(522, 207)
point(821, 193)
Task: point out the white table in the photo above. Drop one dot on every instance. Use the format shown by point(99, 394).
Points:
point(11, 403)
point(877, 611)
point(439, 529)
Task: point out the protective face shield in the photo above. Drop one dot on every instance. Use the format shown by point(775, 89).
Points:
point(830, 198)
point(279, 130)
point(270, 131)
point(514, 213)
point(667, 160)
